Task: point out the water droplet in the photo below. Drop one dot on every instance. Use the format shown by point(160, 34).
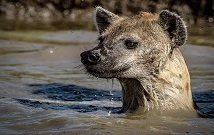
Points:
point(112, 82)
point(110, 93)
point(51, 51)
point(109, 113)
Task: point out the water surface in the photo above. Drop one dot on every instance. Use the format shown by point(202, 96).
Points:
point(45, 90)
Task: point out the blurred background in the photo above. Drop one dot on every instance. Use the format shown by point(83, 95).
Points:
point(44, 88)
point(55, 15)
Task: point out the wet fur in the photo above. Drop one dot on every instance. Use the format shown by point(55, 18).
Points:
point(152, 76)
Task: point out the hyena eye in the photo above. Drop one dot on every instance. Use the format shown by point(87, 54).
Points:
point(131, 44)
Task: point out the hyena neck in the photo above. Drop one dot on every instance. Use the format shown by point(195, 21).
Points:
point(167, 90)
point(148, 94)
point(135, 95)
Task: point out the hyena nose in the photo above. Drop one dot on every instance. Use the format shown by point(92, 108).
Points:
point(94, 58)
point(90, 58)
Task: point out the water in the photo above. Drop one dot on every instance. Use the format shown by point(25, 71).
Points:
point(45, 90)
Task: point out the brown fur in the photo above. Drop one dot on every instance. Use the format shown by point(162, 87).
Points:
point(154, 74)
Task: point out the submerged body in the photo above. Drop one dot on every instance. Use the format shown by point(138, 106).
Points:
point(142, 53)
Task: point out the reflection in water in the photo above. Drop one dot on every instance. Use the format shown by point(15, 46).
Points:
point(57, 93)
point(205, 102)
point(62, 92)
point(65, 92)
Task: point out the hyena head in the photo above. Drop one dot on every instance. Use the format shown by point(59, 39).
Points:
point(132, 47)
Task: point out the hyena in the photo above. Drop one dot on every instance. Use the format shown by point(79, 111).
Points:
point(142, 52)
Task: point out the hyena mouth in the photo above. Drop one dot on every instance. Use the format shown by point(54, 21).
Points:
point(107, 73)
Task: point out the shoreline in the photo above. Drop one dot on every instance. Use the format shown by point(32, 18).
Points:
point(76, 37)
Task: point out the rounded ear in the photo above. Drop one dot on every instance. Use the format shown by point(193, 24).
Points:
point(103, 18)
point(175, 26)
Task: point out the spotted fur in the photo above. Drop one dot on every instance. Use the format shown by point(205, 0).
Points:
point(154, 74)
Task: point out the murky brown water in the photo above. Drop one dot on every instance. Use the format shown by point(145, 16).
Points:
point(44, 90)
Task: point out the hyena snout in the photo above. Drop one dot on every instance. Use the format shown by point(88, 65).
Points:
point(90, 57)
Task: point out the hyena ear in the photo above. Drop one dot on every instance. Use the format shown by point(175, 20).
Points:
point(175, 26)
point(103, 18)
